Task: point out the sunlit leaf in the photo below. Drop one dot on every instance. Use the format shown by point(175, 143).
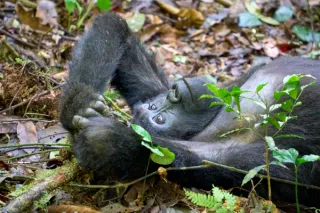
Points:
point(251, 174)
point(142, 132)
point(260, 87)
point(286, 155)
point(233, 131)
point(287, 105)
point(153, 149)
point(104, 5)
point(270, 142)
point(167, 158)
point(308, 158)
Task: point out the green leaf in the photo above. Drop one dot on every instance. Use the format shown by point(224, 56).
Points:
point(287, 105)
point(304, 33)
point(167, 158)
point(273, 122)
point(286, 155)
point(153, 149)
point(263, 105)
point(248, 20)
point(104, 5)
point(283, 14)
point(278, 94)
point(225, 95)
point(260, 87)
point(289, 136)
point(233, 131)
point(206, 96)
point(70, 4)
point(274, 107)
point(257, 12)
point(291, 85)
point(136, 22)
point(229, 109)
point(251, 174)
point(308, 158)
point(142, 132)
point(307, 85)
point(270, 142)
point(212, 88)
point(281, 116)
point(212, 104)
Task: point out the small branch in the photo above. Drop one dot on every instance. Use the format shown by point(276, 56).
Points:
point(29, 99)
point(233, 169)
point(61, 176)
point(17, 39)
point(32, 144)
point(114, 105)
point(27, 155)
point(139, 179)
point(26, 119)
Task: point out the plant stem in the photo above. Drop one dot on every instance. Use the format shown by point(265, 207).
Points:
point(268, 170)
point(81, 20)
point(296, 189)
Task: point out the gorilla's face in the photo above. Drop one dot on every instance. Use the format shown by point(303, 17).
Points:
point(180, 106)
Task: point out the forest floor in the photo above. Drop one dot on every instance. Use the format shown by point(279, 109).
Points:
point(219, 39)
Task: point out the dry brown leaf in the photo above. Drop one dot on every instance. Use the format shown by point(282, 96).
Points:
point(71, 209)
point(46, 11)
point(27, 17)
point(27, 134)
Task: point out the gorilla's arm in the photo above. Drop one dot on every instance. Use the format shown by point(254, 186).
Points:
point(109, 52)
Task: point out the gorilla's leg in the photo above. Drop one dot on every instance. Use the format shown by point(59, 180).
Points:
point(138, 78)
point(94, 62)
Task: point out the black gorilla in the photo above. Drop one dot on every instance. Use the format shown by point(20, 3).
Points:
point(175, 116)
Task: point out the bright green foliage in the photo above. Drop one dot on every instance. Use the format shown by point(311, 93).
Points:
point(104, 5)
point(160, 155)
point(214, 201)
point(167, 156)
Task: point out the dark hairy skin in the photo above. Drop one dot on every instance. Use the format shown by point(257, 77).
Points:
point(176, 117)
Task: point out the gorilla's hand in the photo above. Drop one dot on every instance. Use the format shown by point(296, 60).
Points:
point(107, 146)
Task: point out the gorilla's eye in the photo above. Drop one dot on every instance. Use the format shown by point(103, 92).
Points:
point(152, 107)
point(159, 119)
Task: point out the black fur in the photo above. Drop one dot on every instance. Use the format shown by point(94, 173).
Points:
point(109, 52)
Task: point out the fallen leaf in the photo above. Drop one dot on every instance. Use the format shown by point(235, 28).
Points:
point(27, 134)
point(46, 11)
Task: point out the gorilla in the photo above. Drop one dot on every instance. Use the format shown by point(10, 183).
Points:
point(110, 54)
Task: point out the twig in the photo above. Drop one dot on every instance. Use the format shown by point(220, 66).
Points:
point(207, 164)
point(26, 119)
point(32, 144)
point(114, 105)
point(27, 155)
point(312, 25)
point(233, 169)
point(29, 99)
point(17, 39)
point(61, 176)
point(139, 179)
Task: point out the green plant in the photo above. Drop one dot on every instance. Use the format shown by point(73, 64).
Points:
point(277, 115)
point(159, 155)
point(215, 201)
point(104, 5)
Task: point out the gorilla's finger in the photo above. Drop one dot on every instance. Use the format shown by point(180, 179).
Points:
point(101, 98)
point(99, 107)
point(89, 113)
point(80, 122)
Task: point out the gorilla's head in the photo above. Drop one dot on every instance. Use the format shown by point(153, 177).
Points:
point(178, 113)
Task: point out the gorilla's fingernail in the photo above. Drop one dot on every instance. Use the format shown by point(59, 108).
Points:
point(89, 112)
point(101, 98)
point(80, 122)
